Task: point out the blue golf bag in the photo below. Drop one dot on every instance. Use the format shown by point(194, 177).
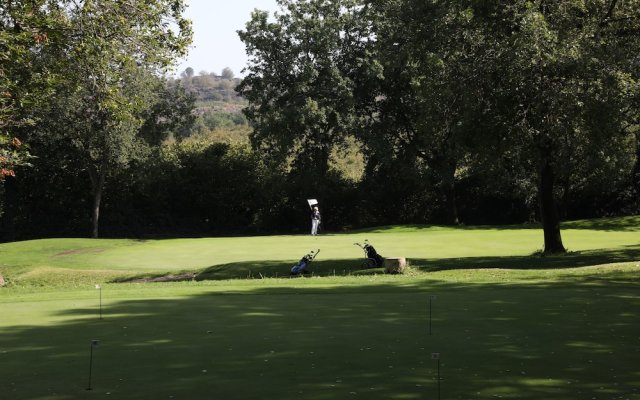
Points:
point(301, 266)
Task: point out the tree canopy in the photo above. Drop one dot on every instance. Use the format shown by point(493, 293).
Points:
point(550, 86)
point(387, 111)
point(301, 79)
point(27, 29)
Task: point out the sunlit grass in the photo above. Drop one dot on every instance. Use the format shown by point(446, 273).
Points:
point(428, 248)
point(507, 322)
point(552, 334)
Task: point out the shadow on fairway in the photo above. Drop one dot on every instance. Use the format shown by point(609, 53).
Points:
point(618, 224)
point(261, 269)
point(279, 269)
point(535, 341)
point(630, 224)
point(536, 261)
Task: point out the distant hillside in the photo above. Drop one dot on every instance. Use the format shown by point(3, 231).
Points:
point(219, 118)
point(218, 106)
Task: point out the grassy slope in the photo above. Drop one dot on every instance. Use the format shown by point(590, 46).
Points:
point(542, 333)
point(61, 261)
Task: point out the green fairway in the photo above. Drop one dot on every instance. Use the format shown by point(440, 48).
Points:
point(85, 261)
point(571, 335)
point(507, 322)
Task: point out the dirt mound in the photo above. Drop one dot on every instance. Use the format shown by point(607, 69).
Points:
point(90, 250)
point(167, 278)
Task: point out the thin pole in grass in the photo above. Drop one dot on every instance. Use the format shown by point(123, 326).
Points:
point(94, 343)
point(100, 291)
point(431, 298)
point(436, 356)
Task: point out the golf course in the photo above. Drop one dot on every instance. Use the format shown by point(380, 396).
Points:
point(319, 200)
point(480, 313)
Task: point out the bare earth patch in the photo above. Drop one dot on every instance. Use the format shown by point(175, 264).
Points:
point(167, 278)
point(92, 250)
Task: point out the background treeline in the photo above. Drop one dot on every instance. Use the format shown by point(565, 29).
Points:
point(200, 187)
point(387, 112)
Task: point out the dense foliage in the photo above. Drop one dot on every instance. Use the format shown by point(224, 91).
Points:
point(26, 29)
point(387, 111)
point(535, 91)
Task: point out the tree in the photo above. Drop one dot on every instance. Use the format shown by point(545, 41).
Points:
point(542, 85)
point(188, 73)
point(170, 116)
point(13, 153)
point(566, 78)
point(427, 100)
point(227, 73)
point(114, 49)
point(300, 81)
point(27, 29)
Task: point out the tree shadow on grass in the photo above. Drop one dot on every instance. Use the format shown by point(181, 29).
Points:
point(535, 261)
point(258, 270)
point(289, 341)
point(617, 224)
point(280, 269)
point(620, 224)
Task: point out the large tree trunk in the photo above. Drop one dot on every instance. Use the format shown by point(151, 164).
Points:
point(635, 177)
point(452, 203)
point(8, 233)
point(446, 167)
point(548, 212)
point(95, 212)
point(97, 184)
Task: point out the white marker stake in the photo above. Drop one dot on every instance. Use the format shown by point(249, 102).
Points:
point(100, 290)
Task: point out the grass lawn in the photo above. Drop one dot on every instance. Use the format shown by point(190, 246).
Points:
point(79, 262)
point(507, 324)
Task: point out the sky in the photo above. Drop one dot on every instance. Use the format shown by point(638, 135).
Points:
point(215, 42)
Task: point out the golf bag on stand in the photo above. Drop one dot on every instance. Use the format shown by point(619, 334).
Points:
point(372, 258)
point(302, 265)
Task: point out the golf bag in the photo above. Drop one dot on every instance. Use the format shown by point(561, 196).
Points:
point(372, 258)
point(302, 265)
